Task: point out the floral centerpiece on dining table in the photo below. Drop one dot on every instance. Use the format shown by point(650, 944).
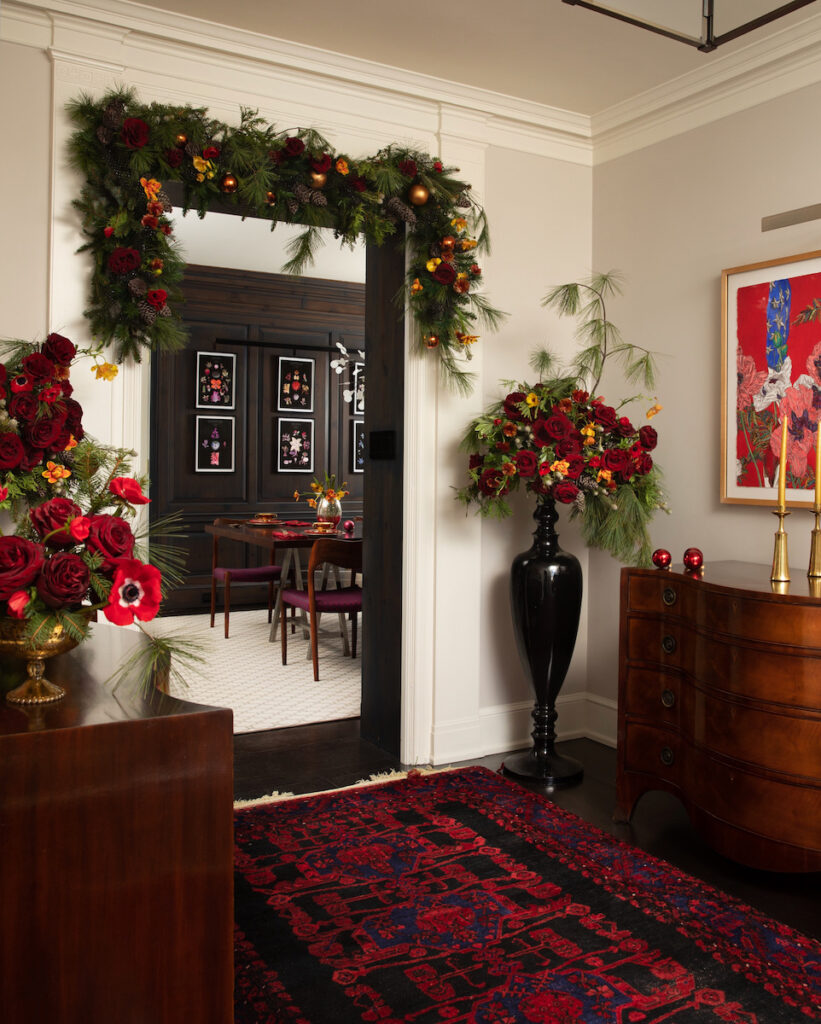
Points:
point(558, 439)
point(325, 497)
point(70, 550)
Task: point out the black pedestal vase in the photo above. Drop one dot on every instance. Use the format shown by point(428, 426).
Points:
point(546, 600)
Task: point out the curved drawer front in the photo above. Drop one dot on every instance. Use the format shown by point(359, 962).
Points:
point(780, 811)
point(655, 694)
point(653, 751)
point(755, 618)
point(785, 743)
point(658, 593)
point(753, 671)
point(656, 641)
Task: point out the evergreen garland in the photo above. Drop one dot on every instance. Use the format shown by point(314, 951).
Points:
point(127, 150)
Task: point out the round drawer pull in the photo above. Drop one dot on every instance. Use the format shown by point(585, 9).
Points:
point(667, 756)
point(668, 644)
point(669, 596)
point(668, 698)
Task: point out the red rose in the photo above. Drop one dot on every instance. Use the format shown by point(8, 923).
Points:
point(166, 229)
point(605, 415)
point(476, 461)
point(149, 221)
point(156, 209)
point(491, 481)
point(648, 438)
point(575, 467)
point(24, 407)
point(624, 428)
point(156, 298)
point(359, 184)
point(55, 515)
point(408, 168)
point(616, 460)
point(321, 164)
point(129, 490)
point(3, 374)
point(17, 604)
point(547, 431)
point(135, 593)
point(123, 261)
point(502, 446)
point(59, 349)
point(20, 562)
point(44, 432)
point(74, 417)
point(568, 446)
point(476, 270)
point(438, 166)
point(294, 146)
point(444, 274)
point(643, 463)
point(11, 451)
point(108, 231)
point(173, 157)
point(67, 388)
point(111, 537)
point(134, 132)
point(79, 528)
point(511, 404)
point(64, 579)
point(210, 153)
point(564, 491)
point(526, 462)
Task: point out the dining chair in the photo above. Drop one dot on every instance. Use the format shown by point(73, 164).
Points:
point(269, 574)
point(343, 600)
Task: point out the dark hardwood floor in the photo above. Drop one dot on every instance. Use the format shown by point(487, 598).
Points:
point(307, 759)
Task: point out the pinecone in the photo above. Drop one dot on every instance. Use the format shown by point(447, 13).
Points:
point(462, 201)
point(114, 310)
point(165, 311)
point(302, 192)
point(191, 148)
point(105, 135)
point(435, 311)
point(318, 198)
point(162, 197)
point(293, 206)
point(137, 287)
point(401, 211)
point(114, 114)
point(147, 312)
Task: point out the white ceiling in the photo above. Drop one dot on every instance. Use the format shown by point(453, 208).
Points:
point(540, 50)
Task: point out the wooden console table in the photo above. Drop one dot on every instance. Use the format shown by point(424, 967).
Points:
point(116, 852)
point(720, 704)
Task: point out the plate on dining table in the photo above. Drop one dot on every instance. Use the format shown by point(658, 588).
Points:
point(263, 521)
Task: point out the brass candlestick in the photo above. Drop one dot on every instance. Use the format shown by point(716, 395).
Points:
point(814, 570)
point(781, 563)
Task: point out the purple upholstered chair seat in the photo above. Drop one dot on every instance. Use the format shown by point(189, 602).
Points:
point(228, 575)
point(346, 599)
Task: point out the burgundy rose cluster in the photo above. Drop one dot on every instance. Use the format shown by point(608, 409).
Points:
point(560, 447)
point(41, 418)
point(71, 557)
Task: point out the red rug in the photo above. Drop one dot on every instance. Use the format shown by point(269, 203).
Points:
point(459, 896)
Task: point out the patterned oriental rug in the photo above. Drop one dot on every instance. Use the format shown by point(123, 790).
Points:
point(460, 897)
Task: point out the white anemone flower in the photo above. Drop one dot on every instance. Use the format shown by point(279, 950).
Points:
point(775, 386)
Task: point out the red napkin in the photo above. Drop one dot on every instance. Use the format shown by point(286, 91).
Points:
point(294, 522)
point(285, 534)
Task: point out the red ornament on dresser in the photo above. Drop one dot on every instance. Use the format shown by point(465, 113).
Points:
point(693, 560)
point(349, 525)
point(662, 558)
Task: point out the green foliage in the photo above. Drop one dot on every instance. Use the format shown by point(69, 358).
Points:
point(275, 171)
point(158, 661)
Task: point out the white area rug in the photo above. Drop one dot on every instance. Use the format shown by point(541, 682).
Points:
point(245, 672)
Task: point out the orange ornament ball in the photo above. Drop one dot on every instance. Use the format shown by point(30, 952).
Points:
point(418, 195)
point(270, 198)
point(447, 243)
point(229, 183)
point(180, 140)
point(431, 340)
point(318, 179)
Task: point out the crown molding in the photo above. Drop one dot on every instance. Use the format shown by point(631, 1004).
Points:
point(762, 71)
point(149, 34)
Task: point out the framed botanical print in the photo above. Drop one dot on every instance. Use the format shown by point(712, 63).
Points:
point(214, 444)
point(358, 447)
point(216, 372)
point(295, 384)
point(295, 446)
point(771, 376)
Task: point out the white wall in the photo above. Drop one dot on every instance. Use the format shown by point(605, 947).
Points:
point(671, 216)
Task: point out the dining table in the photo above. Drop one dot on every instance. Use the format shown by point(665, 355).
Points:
point(291, 536)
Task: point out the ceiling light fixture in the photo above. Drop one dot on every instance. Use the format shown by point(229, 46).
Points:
point(635, 12)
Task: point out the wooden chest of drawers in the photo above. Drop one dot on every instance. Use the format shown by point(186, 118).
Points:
point(720, 704)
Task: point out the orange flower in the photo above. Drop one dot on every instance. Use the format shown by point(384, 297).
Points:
point(417, 286)
point(560, 466)
point(312, 502)
point(654, 411)
point(508, 469)
point(462, 283)
point(54, 473)
point(72, 443)
point(566, 404)
point(509, 429)
point(342, 166)
point(151, 187)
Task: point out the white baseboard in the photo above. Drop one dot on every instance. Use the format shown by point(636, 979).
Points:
point(508, 727)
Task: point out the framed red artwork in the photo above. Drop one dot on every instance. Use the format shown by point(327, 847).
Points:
point(771, 374)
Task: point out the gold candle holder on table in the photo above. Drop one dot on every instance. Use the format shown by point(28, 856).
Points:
point(814, 570)
point(781, 563)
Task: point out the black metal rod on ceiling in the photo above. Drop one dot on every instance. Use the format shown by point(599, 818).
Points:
point(707, 41)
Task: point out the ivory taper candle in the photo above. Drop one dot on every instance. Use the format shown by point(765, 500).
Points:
point(782, 468)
